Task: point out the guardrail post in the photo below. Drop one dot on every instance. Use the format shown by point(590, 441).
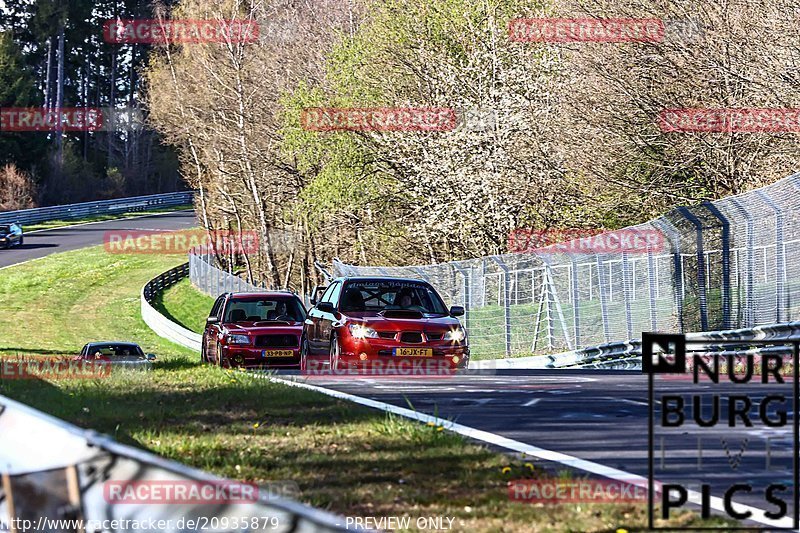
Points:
point(701, 265)
point(726, 263)
point(749, 308)
point(627, 282)
point(666, 227)
point(603, 299)
point(506, 303)
point(780, 257)
point(576, 301)
point(466, 287)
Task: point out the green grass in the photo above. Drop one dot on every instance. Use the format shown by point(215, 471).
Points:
point(53, 224)
point(184, 304)
point(345, 458)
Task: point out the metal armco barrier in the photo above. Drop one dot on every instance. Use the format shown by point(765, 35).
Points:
point(52, 470)
point(163, 326)
point(101, 207)
point(628, 354)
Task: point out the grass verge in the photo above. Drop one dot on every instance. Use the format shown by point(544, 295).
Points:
point(345, 458)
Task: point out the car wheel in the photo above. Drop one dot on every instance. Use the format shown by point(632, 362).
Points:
point(335, 361)
point(218, 361)
point(203, 356)
point(303, 354)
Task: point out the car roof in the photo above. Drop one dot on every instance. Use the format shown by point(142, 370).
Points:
point(122, 343)
point(381, 278)
point(265, 294)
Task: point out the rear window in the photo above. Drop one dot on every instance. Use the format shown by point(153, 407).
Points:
point(265, 309)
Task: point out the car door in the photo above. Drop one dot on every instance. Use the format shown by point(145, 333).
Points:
point(212, 330)
point(317, 344)
point(328, 318)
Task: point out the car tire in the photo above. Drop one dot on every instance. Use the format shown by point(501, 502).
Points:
point(218, 362)
point(334, 362)
point(303, 354)
point(203, 356)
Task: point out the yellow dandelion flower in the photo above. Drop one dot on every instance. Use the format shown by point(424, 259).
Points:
point(440, 428)
point(431, 424)
point(506, 469)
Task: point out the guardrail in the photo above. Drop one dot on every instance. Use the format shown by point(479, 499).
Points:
point(628, 354)
point(163, 326)
point(42, 484)
point(101, 207)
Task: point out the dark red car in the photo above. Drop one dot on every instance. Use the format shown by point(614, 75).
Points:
point(254, 330)
point(359, 321)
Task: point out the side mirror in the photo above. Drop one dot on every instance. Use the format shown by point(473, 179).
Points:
point(456, 310)
point(212, 320)
point(151, 357)
point(325, 307)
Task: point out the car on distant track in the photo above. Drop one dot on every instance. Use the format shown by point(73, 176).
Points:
point(254, 330)
point(360, 322)
point(128, 354)
point(10, 235)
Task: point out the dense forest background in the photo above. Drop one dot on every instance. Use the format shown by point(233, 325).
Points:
point(53, 55)
point(573, 140)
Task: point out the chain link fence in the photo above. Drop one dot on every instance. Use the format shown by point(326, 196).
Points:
point(214, 281)
point(723, 265)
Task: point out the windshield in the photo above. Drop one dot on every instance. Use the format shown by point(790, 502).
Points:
point(286, 309)
point(116, 350)
point(389, 295)
point(5, 229)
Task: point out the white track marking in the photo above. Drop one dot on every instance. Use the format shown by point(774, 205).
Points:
point(531, 403)
point(716, 503)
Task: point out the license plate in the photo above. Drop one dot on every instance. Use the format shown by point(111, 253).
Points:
point(414, 352)
point(278, 353)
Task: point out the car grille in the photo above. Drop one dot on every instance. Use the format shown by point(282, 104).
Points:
point(387, 334)
point(411, 336)
point(277, 341)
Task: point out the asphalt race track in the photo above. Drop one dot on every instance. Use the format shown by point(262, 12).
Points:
point(42, 243)
point(600, 416)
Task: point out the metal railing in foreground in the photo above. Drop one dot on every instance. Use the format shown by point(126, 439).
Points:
point(101, 207)
point(52, 470)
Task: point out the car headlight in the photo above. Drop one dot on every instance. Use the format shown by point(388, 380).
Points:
point(456, 335)
point(360, 331)
point(238, 339)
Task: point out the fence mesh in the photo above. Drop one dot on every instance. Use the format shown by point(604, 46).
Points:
point(724, 264)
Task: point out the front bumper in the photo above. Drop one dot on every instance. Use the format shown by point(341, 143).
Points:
point(249, 356)
point(358, 352)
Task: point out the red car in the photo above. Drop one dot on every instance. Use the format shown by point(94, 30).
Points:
point(254, 330)
point(363, 322)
